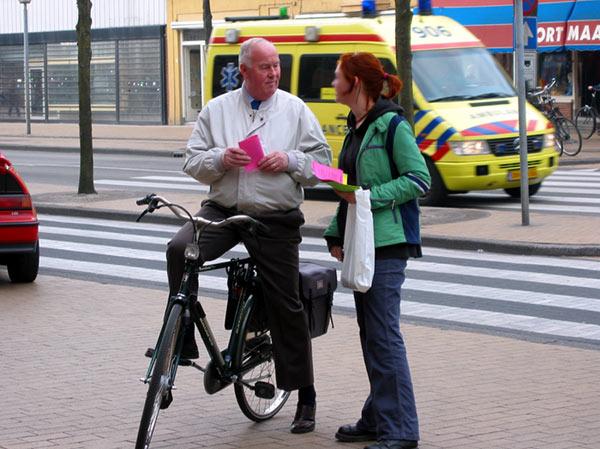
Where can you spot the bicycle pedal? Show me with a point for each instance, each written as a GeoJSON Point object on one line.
{"type": "Point", "coordinates": [264, 390]}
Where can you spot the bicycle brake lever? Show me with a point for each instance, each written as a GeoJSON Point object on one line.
{"type": "Point", "coordinates": [141, 215]}
{"type": "Point", "coordinates": [153, 205]}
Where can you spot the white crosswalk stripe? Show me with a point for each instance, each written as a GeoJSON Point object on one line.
{"type": "Point", "coordinates": [539, 295]}
{"type": "Point", "coordinates": [573, 191]}
{"type": "Point", "coordinates": [153, 185]}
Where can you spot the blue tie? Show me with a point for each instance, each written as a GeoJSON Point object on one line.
{"type": "Point", "coordinates": [255, 104]}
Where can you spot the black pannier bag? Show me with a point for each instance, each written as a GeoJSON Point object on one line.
{"type": "Point", "coordinates": [317, 284]}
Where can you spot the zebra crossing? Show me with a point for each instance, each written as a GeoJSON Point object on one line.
{"type": "Point", "coordinates": [542, 297]}
{"type": "Point", "coordinates": [566, 190]}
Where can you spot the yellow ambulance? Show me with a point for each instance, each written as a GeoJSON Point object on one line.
{"type": "Point", "coordinates": [466, 109]}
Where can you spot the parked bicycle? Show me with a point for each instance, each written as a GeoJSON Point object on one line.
{"type": "Point", "coordinates": [588, 116]}
{"type": "Point", "coordinates": [246, 363]}
{"type": "Point", "coordinates": [568, 137]}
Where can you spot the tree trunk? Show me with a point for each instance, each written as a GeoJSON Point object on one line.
{"type": "Point", "coordinates": [84, 46]}
{"type": "Point", "coordinates": [207, 17]}
{"type": "Point", "coordinates": [404, 56]}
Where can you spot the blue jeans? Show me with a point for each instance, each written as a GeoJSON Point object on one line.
{"type": "Point", "coordinates": [390, 409]}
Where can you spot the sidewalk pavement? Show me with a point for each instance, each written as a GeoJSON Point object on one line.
{"type": "Point", "coordinates": [559, 234]}
{"type": "Point", "coordinates": [73, 361]}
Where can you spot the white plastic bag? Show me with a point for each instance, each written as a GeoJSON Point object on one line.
{"type": "Point", "coordinates": [358, 266]}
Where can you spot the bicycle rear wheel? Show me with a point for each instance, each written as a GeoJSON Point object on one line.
{"type": "Point", "coordinates": [586, 121]}
{"type": "Point", "coordinates": [568, 135]}
{"type": "Point", "coordinates": [257, 396]}
{"type": "Point", "coordinates": [162, 378]}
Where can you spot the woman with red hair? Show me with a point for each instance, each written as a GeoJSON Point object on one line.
{"type": "Point", "coordinates": [380, 154]}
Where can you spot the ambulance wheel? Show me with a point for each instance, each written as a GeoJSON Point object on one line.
{"type": "Point", "coordinates": [515, 192]}
{"type": "Point", "coordinates": [438, 192]}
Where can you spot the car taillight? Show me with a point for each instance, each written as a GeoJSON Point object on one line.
{"type": "Point", "coordinates": [13, 202]}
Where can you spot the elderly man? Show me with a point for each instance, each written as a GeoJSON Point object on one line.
{"type": "Point", "coordinates": [291, 138]}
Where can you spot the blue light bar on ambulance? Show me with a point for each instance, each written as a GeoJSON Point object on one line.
{"type": "Point", "coordinates": [425, 7]}
{"type": "Point", "coordinates": [368, 7]}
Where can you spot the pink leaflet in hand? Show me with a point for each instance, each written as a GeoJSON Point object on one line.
{"type": "Point", "coordinates": [254, 149]}
{"type": "Point", "coordinates": [327, 173]}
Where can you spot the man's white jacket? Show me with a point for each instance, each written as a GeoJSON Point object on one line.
{"type": "Point", "coordinates": [283, 123]}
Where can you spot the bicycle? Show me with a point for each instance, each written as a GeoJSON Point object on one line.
{"type": "Point", "coordinates": [567, 135]}
{"type": "Point", "coordinates": [246, 363]}
{"type": "Point", "coordinates": [587, 116]}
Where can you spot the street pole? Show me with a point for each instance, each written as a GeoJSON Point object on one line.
{"type": "Point", "coordinates": [26, 65]}
{"type": "Point", "coordinates": [520, 72]}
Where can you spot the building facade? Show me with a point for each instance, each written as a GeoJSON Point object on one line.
{"type": "Point", "coordinates": [148, 55]}
{"type": "Point", "coordinates": [127, 67]}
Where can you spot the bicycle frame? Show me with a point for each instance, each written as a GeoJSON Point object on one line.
{"type": "Point", "coordinates": [220, 361]}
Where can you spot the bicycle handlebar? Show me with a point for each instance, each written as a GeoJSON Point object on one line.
{"type": "Point", "coordinates": [155, 201]}
{"type": "Point", "coordinates": [545, 90]}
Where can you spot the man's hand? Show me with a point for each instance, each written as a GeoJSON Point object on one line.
{"type": "Point", "coordinates": [235, 157]}
{"type": "Point", "coordinates": [348, 196]}
{"type": "Point", "coordinates": [274, 162]}
{"type": "Point", "coordinates": [337, 252]}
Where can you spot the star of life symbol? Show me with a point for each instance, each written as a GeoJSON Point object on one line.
{"type": "Point", "coordinates": [229, 80]}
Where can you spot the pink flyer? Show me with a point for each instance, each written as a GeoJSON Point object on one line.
{"type": "Point", "coordinates": [326, 173]}
{"type": "Point", "coordinates": [254, 149]}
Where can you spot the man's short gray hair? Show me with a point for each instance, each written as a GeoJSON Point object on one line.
{"type": "Point", "coordinates": [246, 50]}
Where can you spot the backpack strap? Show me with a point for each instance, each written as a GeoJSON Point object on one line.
{"type": "Point", "coordinates": [389, 143]}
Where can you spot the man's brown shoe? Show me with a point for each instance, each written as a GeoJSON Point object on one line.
{"type": "Point", "coordinates": [304, 420]}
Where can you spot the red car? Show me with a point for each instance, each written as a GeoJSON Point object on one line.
{"type": "Point", "coordinates": [19, 242]}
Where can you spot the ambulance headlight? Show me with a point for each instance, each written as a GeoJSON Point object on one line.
{"type": "Point", "coordinates": [549, 141]}
{"type": "Point", "coordinates": [470, 147]}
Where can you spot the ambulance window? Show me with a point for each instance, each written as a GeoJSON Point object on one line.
{"type": "Point", "coordinates": [227, 77]}
{"type": "Point", "coordinates": [226, 74]}
{"type": "Point", "coordinates": [316, 72]}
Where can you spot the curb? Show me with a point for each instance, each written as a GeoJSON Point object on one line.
{"type": "Point", "coordinates": [508, 247]}
{"type": "Point", "coordinates": [568, 162]}
{"type": "Point", "coordinates": [497, 246]}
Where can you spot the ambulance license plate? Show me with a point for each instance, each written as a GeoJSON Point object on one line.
{"type": "Point", "coordinates": [515, 175]}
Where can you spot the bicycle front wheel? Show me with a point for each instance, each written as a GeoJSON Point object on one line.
{"type": "Point", "coordinates": [586, 121]}
{"type": "Point", "coordinates": [257, 396]}
{"type": "Point", "coordinates": [568, 135]}
{"type": "Point", "coordinates": [162, 378]}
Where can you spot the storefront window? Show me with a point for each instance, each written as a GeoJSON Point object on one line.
{"type": "Point", "coordinates": [556, 65]}
{"type": "Point", "coordinates": [126, 81]}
